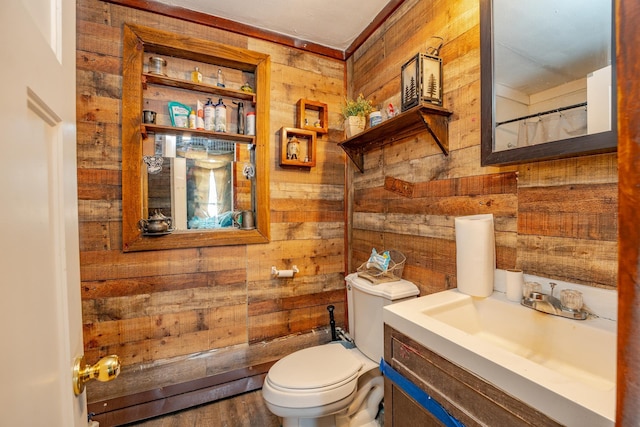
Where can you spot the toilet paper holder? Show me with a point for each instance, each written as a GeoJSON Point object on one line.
{"type": "Point", "coordinates": [275, 273]}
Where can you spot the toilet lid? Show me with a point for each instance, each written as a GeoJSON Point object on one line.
{"type": "Point", "coordinates": [315, 367]}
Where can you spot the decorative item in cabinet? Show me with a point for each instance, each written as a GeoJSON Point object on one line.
{"type": "Point", "coordinates": [313, 115]}
{"type": "Point", "coordinates": [297, 147]}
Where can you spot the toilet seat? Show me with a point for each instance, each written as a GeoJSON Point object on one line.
{"type": "Point", "coordinates": [313, 376]}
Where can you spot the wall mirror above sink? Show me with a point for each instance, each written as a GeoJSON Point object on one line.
{"type": "Point", "coordinates": [187, 185]}
{"type": "Point", "coordinates": [547, 80]}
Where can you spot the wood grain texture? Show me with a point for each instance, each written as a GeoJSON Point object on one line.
{"type": "Point", "coordinates": [628, 70]}
{"type": "Point", "coordinates": [246, 410]}
{"type": "Point", "coordinates": [188, 394]}
{"type": "Point", "coordinates": [469, 398]}
{"type": "Point", "coordinates": [157, 309]}
{"type": "Point", "coordinates": [422, 227]}
{"type": "Point", "coordinates": [555, 219]}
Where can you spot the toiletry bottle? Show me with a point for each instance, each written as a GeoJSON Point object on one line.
{"type": "Point", "coordinates": [221, 117]}
{"type": "Point", "coordinates": [199, 115]}
{"type": "Point", "coordinates": [220, 78]}
{"type": "Point", "coordinates": [251, 123]}
{"type": "Point", "coordinates": [192, 119]}
{"type": "Point", "coordinates": [196, 75]}
{"type": "Point", "coordinates": [209, 115]}
{"type": "Point", "coordinates": [241, 118]}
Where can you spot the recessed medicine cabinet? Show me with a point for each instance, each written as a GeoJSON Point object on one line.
{"type": "Point", "coordinates": [193, 183]}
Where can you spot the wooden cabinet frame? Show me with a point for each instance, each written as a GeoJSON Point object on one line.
{"type": "Point", "coordinates": [323, 115]}
{"type": "Point", "coordinates": [307, 138]}
{"type": "Point", "coordinates": [137, 40]}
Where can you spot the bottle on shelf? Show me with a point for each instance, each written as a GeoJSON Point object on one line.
{"type": "Point", "coordinates": [199, 115]}
{"type": "Point", "coordinates": [220, 117]}
{"type": "Point", "coordinates": [251, 123]}
{"type": "Point", "coordinates": [220, 82]}
{"type": "Point", "coordinates": [196, 75]}
{"type": "Point", "coordinates": [192, 119]}
{"type": "Point", "coordinates": [209, 115]}
{"type": "Point", "coordinates": [241, 118]}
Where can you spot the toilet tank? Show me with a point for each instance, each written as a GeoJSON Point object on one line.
{"type": "Point", "coordinates": [364, 304]}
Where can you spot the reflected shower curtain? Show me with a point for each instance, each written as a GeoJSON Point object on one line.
{"type": "Point", "coordinates": [552, 127]}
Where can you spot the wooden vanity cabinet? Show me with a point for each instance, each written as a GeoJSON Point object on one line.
{"type": "Point", "coordinates": [467, 397]}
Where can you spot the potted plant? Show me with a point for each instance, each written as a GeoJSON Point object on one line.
{"type": "Point", "coordinates": [355, 113]}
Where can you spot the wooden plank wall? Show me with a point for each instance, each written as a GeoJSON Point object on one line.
{"type": "Point", "coordinates": [556, 219]}
{"type": "Point", "coordinates": [158, 310]}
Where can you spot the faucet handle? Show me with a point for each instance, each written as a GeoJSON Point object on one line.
{"type": "Point", "coordinates": [553, 285]}
{"type": "Point", "coordinates": [571, 299]}
{"type": "Point", "coordinates": [530, 287]}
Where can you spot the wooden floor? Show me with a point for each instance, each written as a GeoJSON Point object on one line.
{"type": "Point", "coordinates": [246, 410]}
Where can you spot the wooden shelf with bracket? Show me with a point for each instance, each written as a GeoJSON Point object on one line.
{"type": "Point", "coordinates": [424, 117]}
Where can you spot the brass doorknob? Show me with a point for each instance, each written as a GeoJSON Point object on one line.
{"type": "Point", "coordinates": [106, 369]}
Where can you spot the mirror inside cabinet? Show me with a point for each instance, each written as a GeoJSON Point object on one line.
{"type": "Point", "coordinates": [193, 177]}
{"type": "Point", "coordinates": [204, 184]}
{"type": "Point", "coordinates": [547, 80]}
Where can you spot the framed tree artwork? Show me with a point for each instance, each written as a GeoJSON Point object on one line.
{"type": "Point", "coordinates": [421, 81]}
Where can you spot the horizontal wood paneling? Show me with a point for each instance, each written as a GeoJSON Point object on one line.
{"type": "Point", "coordinates": [155, 307]}
{"type": "Point", "coordinates": [555, 219]}
{"type": "Point", "coordinates": [187, 394]}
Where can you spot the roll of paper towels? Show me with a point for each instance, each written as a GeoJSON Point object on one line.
{"type": "Point", "coordinates": [475, 254]}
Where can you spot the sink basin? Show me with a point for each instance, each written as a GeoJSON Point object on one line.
{"type": "Point", "coordinates": [564, 368]}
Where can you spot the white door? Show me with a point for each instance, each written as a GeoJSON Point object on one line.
{"type": "Point", "coordinates": [40, 314]}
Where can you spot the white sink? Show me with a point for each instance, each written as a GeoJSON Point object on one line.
{"type": "Point", "coordinates": [564, 368]}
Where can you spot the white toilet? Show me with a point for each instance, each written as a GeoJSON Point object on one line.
{"type": "Point", "coordinates": [338, 384]}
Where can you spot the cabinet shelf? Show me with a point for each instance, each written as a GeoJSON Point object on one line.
{"type": "Point", "coordinates": [148, 78]}
{"type": "Point", "coordinates": [147, 128]}
{"type": "Point", "coordinates": [423, 117]}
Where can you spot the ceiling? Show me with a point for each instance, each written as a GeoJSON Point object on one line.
{"type": "Point", "coordinates": [539, 44]}
{"type": "Point", "coordinates": [543, 43]}
{"type": "Point", "coordinates": [335, 24]}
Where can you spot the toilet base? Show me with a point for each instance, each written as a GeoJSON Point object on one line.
{"type": "Point", "coordinates": [319, 416]}
{"type": "Point", "coordinates": [361, 411]}
{"type": "Point", "coordinates": [328, 421]}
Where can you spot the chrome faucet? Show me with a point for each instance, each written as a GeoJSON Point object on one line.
{"type": "Point", "coordinates": [547, 303]}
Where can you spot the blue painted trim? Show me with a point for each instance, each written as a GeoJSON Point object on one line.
{"type": "Point", "coordinates": [419, 395]}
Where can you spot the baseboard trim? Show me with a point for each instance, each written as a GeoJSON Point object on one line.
{"type": "Point", "coordinates": [161, 401]}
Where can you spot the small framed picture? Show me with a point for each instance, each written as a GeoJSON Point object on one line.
{"type": "Point", "coordinates": [421, 80]}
